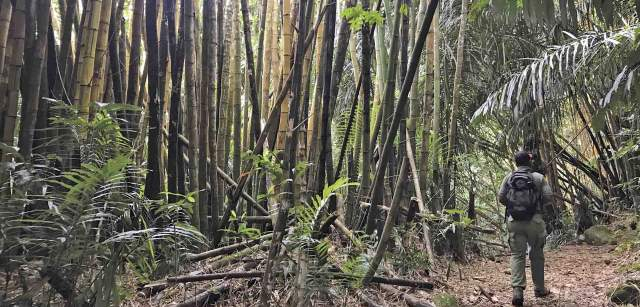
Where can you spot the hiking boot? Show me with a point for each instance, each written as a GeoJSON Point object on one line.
{"type": "Point", "coordinates": [541, 293]}
{"type": "Point", "coordinates": [518, 296]}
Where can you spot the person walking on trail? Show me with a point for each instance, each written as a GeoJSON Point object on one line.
{"type": "Point", "coordinates": [525, 193]}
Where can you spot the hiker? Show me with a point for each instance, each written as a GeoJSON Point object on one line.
{"type": "Point", "coordinates": [524, 193]}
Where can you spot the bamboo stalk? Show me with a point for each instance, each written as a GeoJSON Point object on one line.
{"type": "Point", "coordinates": [251, 73]}
{"type": "Point", "coordinates": [207, 182]}
{"type": "Point", "coordinates": [389, 223]}
{"type": "Point", "coordinates": [365, 132]}
{"type": "Point", "coordinates": [416, 183]}
{"type": "Point", "coordinates": [266, 60]}
{"type": "Point", "coordinates": [287, 44]}
{"type": "Point", "coordinates": [192, 105]}
{"type": "Point", "coordinates": [258, 149]}
{"type": "Point", "coordinates": [84, 79]}
{"type": "Point", "coordinates": [97, 88]}
{"type": "Point", "coordinates": [33, 76]}
{"type": "Point", "coordinates": [14, 72]}
{"type": "Point", "coordinates": [6, 9]}
{"type": "Point", "coordinates": [378, 183]}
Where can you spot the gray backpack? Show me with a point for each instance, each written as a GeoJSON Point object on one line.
{"type": "Point", "coordinates": [522, 196]}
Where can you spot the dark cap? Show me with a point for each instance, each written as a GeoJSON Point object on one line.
{"type": "Point", "coordinates": [523, 158]}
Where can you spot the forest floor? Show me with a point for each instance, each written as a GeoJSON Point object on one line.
{"type": "Point", "coordinates": [577, 275]}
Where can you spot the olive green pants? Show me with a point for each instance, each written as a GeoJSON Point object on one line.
{"type": "Point", "coordinates": [534, 234]}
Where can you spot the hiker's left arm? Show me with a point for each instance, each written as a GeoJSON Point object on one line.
{"type": "Point", "coordinates": [502, 194]}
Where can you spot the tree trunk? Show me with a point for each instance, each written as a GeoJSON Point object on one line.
{"type": "Point", "coordinates": [31, 98]}
{"type": "Point", "coordinates": [328, 47]}
{"type": "Point", "coordinates": [338, 68]}
{"type": "Point", "coordinates": [235, 80]}
{"type": "Point", "coordinates": [389, 223]}
{"type": "Point", "coordinates": [437, 113]}
{"type": "Point", "coordinates": [404, 49]}
{"type": "Point", "coordinates": [192, 107]}
{"type": "Point", "coordinates": [315, 113]}
{"type": "Point", "coordinates": [378, 183]}
{"type": "Point", "coordinates": [366, 119]}
{"type": "Point", "coordinates": [427, 105]}
{"type": "Point", "coordinates": [387, 99]}
{"type": "Point", "coordinates": [133, 83]}
{"type": "Point", "coordinates": [452, 139]}
{"type": "Point", "coordinates": [84, 78]}
{"type": "Point", "coordinates": [66, 55]}
{"type": "Point", "coordinates": [176, 49]}
{"type": "Point", "coordinates": [426, 231]}
{"type": "Point", "coordinates": [223, 104]}
{"type": "Point", "coordinates": [265, 11]}
{"type": "Point", "coordinates": [266, 59]}
{"type": "Point", "coordinates": [6, 9]}
{"type": "Point", "coordinates": [251, 75]}
{"type": "Point", "coordinates": [14, 72]}
{"type": "Point", "coordinates": [115, 55]}
{"type": "Point", "coordinates": [357, 75]}
{"type": "Point", "coordinates": [290, 151]}
{"type": "Point", "coordinates": [152, 181]}
{"type": "Point", "coordinates": [206, 102]}
{"type": "Point", "coordinates": [208, 94]}
{"type": "Point", "coordinates": [287, 37]}
{"type": "Point", "coordinates": [219, 84]}
{"type": "Point", "coordinates": [97, 88]}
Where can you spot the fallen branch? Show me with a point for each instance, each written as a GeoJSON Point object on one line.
{"type": "Point", "coordinates": [595, 210]}
{"type": "Point", "coordinates": [345, 231]}
{"type": "Point", "coordinates": [367, 300]}
{"type": "Point", "coordinates": [424, 285]}
{"type": "Point", "coordinates": [491, 243]}
{"type": "Point", "coordinates": [154, 287]}
{"type": "Point", "coordinates": [214, 276]}
{"type": "Point", "coordinates": [150, 289]}
{"type": "Point", "coordinates": [255, 274]}
{"type": "Point", "coordinates": [229, 259]}
{"type": "Point", "coordinates": [408, 298]}
{"type": "Point", "coordinates": [488, 295]}
{"type": "Point", "coordinates": [497, 225]}
{"type": "Point", "coordinates": [225, 250]}
{"type": "Point", "coordinates": [205, 298]}
{"type": "Point", "coordinates": [244, 194]}
{"type": "Point", "coordinates": [480, 229]}
{"type": "Point", "coordinates": [325, 228]}
{"type": "Point", "coordinates": [232, 183]}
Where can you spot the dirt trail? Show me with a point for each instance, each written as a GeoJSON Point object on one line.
{"type": "Point", "coordinates": [578, 275]}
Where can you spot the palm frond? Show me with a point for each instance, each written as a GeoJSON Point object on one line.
{"type": "Point", "coordinates": [563, 67]}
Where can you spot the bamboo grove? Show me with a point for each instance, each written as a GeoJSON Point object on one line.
{"type": "Point", "coordinates": [230, 116]}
